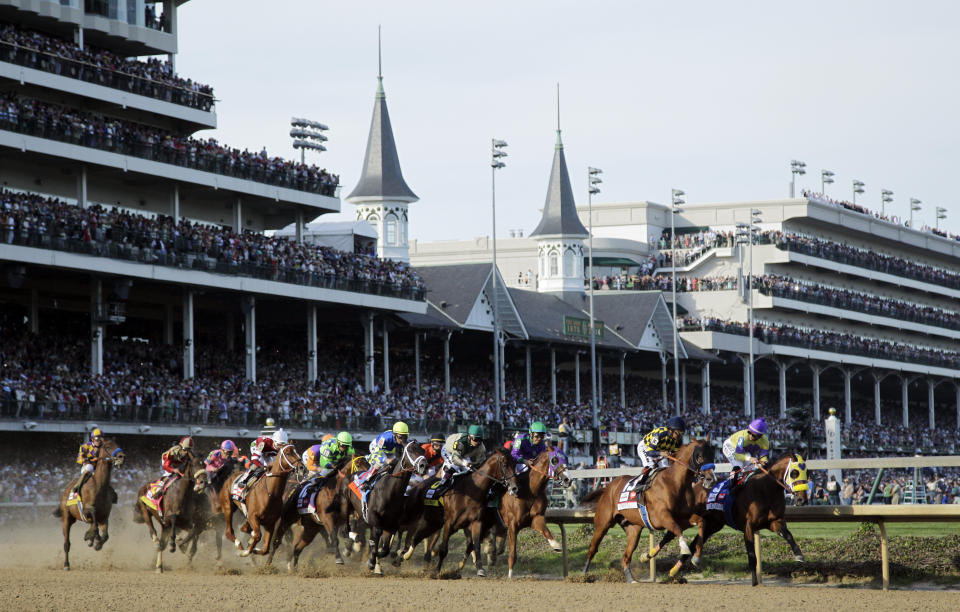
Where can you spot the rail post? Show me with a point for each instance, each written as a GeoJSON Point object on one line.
{"type": "Point", "coordinates": [884, 555]}
{"type": "Point", "coordinates": [756, 552]}
{"type": "Point", "coordinates": [563, 544]}
{"type": "Point", "coordinates": [653, 560]}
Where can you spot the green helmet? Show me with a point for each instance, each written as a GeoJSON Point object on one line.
{"type": "Point", "coordinates": [475, 430]}
{"type": "Point", "coordinates": [538, 427]}
{"type": "Point", "coordinates": [400, 429]}
{"type": "Point", "coordinates": [345, 438]}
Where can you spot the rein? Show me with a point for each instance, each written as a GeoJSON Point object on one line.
{"type": "Point", "coordinates": [413, 462]}
{"type": "Point", "coordinates": [776, 480]}
{"type": "Point", "coordinates": [503, 480]}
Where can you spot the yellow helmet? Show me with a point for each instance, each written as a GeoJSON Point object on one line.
{"type": "Point", "coordinates": [95, 433]}
{"type": "Point", "coordinates": [400, 429]}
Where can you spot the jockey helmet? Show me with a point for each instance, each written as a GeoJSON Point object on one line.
{"type": "Point", "coordinates": [538, 427]}
{"type": "Point", "coordinates": [270, 423]}
{"type": "Point", "coordinates": [345, 438]}
{"type": "Point", "coordinates": [280, 436]}
{"type": "Point", "coordinates": [475, 430]}
{"type": "Point", "coordinates": [228, 446]}
{"type": "Point", "coordinates": [400, 429]}
{"type": "Point", "coordinates": [437, 437]}
{"type": "Point", "coordinates": [677, 423]}
{"type": "Point", "coordinates": [96, 434]}
{"type": "Point", "coordinates": [186, 442]}
{"type": "Point", "coordinates": [758, 426]}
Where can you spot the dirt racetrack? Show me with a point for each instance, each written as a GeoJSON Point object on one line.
{"type": "Point", "coordinates": [121, 578]}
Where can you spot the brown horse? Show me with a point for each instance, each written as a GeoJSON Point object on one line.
{"type": "Point", "coordinates": [93, 506]}
{"type": "Point", "coordinates": [462, 506]}
{"type": "Point", "coordinates": [758, 503]}
{"type": "Point", "coordinates": [669, 504]}
{"type": "Point", "coordinates": [264, 501]}
{"type": "Point", "coordinates": [328, 518]}
{"type": "Point", "coordinates": [183, 507]}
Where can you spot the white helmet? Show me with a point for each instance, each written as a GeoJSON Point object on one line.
{"type": "Point", "coordinates": [280, 436]}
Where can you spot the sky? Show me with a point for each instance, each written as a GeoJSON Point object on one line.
{"type": "Point", "coordinates": [714, 98]}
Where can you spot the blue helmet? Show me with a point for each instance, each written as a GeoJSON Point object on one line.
{"type": "Point", "coordinates": [677, 423]}
{"type": "Point", "coordinates": [758, 426]}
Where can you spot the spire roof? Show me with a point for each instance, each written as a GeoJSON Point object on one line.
{"type": "Point", "coordinates": [560, 210]}
{"type": "Point", "coordinates": [381, 177]}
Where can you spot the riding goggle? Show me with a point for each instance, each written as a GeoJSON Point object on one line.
{"type": "Point", "coordinates": [473, 438]}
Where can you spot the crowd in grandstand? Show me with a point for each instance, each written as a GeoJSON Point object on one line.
{"type": "Point", "coordinates": [36, 118]}
{"type": "Point", "coordinates": [36, 220]}
{"type": "Point", "coordinates": [152, 77]}
{"type": "Point", "coordinates": [822, 198]}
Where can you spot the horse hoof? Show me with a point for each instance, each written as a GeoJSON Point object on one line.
{"type": "Point", "coordinates": [66, 568]}
{"type": "Point", "coordinates": [509, 573]}
{"type": "Point", "coordinates": [378, 571]}
{"type": "Point", "coordinates": [556, 546]}
{"type": "Point", "coordinates": [397, 562]}
{"type": "Point", "coordinates": [244, 553]}
{"type": "Point", "coordinates": [695, 562]}
{"type": "Point", "coordinates": [155, 539]}
{"type": "Point", "coordinates": [799, 559]}
{"type": "Point", "coordinates": [644, 558]}
{"type": "Point", "coordinates": [236, 543]}
{"type": "Point", "coordinates": [159, 570]}
{"type": "Point", "coordinates": [339, 561]}
{"type": "Point", "coordinates": [481, 573]}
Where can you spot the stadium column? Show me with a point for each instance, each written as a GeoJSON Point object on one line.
{"type": "Point", "coordinates": [746, 384]}
{"type": "Point", "coordinates": [663, 377]}
{"type": "Point", "coordinates": [930, 385]}
{"type": "Point", "coordinates": [175, 203]}
{"type": "Point", "coordinates": [529, 369]}
{"type": "Point", "coordinates": [238, 216]}
{"type": "Point", "coordinates": [905, 399]}
{"type": "Point", "coordinates": [170, 12]}
{"type": "Point", "coordinates": [816, 390]}
{"type": "Point", "coordinates": [386, 358]}
{"type": "Point", "coordinates": [553, 376]}
{"type": "Point", "coordinates": [96, 327]}
{"type": "Point", "coordinates": [82, 187]}
{"type": "Point", "coordinates": [446, 363]}
{"type": "Point", "coordinates": [311, 343]}
{"type": "Point", "coordinates": [188, 362]}
{"type": "Point", "coordinates": [956, 389]}
{"type": "Point", "coordinates": [367, 323]}
{"type": "Point", "coordinates": [576, 376]}
{"type": "Point", "coordinates": [250, 333]}
{"type": "Point", "coordinates": [847, 408]}
{"type": "Point", "coordinates": [782, 366]}
{"type": "Point", "coordinates": [299, 226]}
{"type": "Point", "coordinates": [600, 379]}
{"type": "Point", "coordinates": [876, 397]}
{"type": "Point", "coordinates": [416, 358]}
{"type": "Point", "coordinates": [705, 381]}
{"type": "Point", "coordinates": [683, 387]}
{"type": "Point", "coordinates": [34, 311]}
{"type": "Point", "coordinates": [168, 324]}
{"type": "Point", "coordinates": [623, 381]}
{"type": "Point", "coordinates": [230, 332]}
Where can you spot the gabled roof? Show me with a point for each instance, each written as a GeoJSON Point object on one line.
{"type": "Point", "coordinates": [560, 210]}
{"type": "Point", "coordinates": [633, 313]}
{"type": "Point", "coordinates": [542, 315]}
{"type": "Point", "coordinates": [453, 290]}
{"type": "Point", "coordinates": [381, 178]}
{"type": "Point", "coordinates": [432, 319]}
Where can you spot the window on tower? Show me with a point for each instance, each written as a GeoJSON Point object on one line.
{"type": "Point", "coordinates": [554, 264]}
{"type": "Point", "coordinates": [390, 229]}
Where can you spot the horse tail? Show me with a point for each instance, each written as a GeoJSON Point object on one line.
{"type": "Point", "coordinates": [593, 496]}
{"type": "Point", "coordinates": [137, 515]}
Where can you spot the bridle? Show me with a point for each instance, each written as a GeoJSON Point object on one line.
{"type": "Point", "coordinates": [417, 464]}
{"type": "Point", "coordinates": [702, 472]}
{"type": "Point", "coordinates": [505, 481]}
{"type": "Point", "coordinates": [282, 459]}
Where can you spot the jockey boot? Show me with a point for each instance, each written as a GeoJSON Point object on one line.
{"type": "Point", "coordinates": [83, 479]}
{"type": "Point", "coordinates": [255, 474]}
{"type": "Point", "coordinates": [644, 473]}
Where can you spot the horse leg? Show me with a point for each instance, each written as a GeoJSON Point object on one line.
{"type": "Point", "coordinates": [674, 531]}
{"type": "Point", "coordinates": [751, 555]}
{"type": "Point", "coordinates": [267, 533]}
{"type": "Point", "coordinates": [173, 533]}
{"type": "Point", "coordinates": [103, 534]}
{"type": "Point", "coordinates": [384, 543]}
{"type": "Point", "coordinates": [602, 522]}
{"type": "Point", "coordinates": [779, 526]}
{"type": "Point", "coordinates": [633, 536]}
{"type": "Point", "coordinates": [307, 535]}
{"type": "Point", "coordinates": [476, 535]}
{"type": "Point", "coordinates": [228, 526]}
{"type": "Point", "coordinates": [653, 552]}
{"type": "Point", "coordinates": [254, 524]}
{"type": "Point", "coordinates": [467, 551]}
{"type": "Point", "coordinates": [707, 529]}
{"type": "Point", "coordinates": [512, 545]}
{"type": "Point", "coordinates": [431, 545]}
{"type": "Point", "coordinates": [90, 536]}
{"type": "Point", "coordinates": [374, 543]}
{"type": "Point", "coordinates": [218, 536]}
{"type": "Point", "coordinates": [539, 523]}
{"type": "Point", "coordinates": [161, 544]}
{"type": "Point", "coordinates": [66, 523]}
{"type": "Point", "coordinates": [444, 547]}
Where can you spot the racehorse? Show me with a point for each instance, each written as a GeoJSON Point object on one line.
{"type": "Point", "coordinates": [183, 507]}
{"type": "Point", "coordinates": [328, 517]}
{"type": "Point", "coordinates": [264, 500]}
{"type": "Point", "coordinates": [384, 501]}
{"type": "Point", "coordinates": [94, 503]}
{"type": "Point", "coordinates": [757, 504]}
{"type": "Point", "coordinates": [528, 507]}
{"type": "Point", "coordinates": [668, 503]}
{"type": "Point", "coordinates": [215, 483]}
{"type": "Point", "coordinates": [462, 506]}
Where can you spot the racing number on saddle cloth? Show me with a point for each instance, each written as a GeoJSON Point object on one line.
{"type": "Point", "coordinates": [721, 498]}
{"type": "Point", "coordinates": [630, 500]}
{"type": "Point", "coordinates": [434, 495]}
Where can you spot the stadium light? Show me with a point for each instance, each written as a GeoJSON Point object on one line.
{"type": "Point", "coordinates": [796, 168]}
{"type": "Point", "coordinates": [941, 214]}
{"type": "Point", "coordinates": [857, 188]}
{"type": "Point", "coordinates": [914, 206]}
{"type": "Point", "coordinates": [307, 135]}
{"type": "Point", "coordinates": [826, 178]}
{"type": "Point", "coordinates": [497, 154]}
{"type": "Point", "coordinates": [755, 218]}
{"type": "Point", "coordinates": [676, 201]}
{"type": "Point", "coordinates": [886, 196]}
{"type": "Point", "coordinates": [593, 179]}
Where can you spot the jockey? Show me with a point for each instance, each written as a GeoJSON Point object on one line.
{"type": "Point", "coordinates": [384, 450]}
{"type": "Point", "coordinates": [432, 451]}
{"type": "Point", "coordinates": [749, 446]}
{"type": "Point", "coordinates": [262, 452]}
{"type": "Point", "coordinates": [175, 460]}
{"type": "Point", "coordinates": [660, 440]}
{"type": "Point", "coordinates": [322, 459]}
{"type": "Point", "coordinates": [461, 451]}
{"type": "Point", "coordinates": [87, 457]}
{"type": "Point", "coordinates": [526, 447]}
{"type": "Point", "coordinates": [220, 456]}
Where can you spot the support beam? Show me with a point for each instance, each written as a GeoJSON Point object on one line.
{"type": "Point", "coordinates": [300, 226]}
{"type": "Point", "coordinates": [238, 216]}
{"type": "Point", "coordinates": [386, 358]}
{"type": "Point", "coordinates": [956, 390]}
{"type": "Point", "coordinates": [816, 390]}
{"type": "Point", "coordinates": [231, 333]}
{"type": "Point", "coordinates": [175, 203]}
{"type": "Point", "coordinates": [876, 399]}
{"type": "Point", "coordinates": [782, 369]}
{"type": "Point", "coordinates": [168, 322]}
{"type": "Point", "coordinates": [847, 402]}
{"type": "Point", "coordinates": [623, 381]}
{"type": "Point", "coordinates": [250, 334]}
{"type": "Point", "coordinates": [905, 399]}
{"type": "Point", "coordinates": [576, 377]}
{"type": "Point", "coordinates": [600, 380]}
{"type": "Point", "coordinates": [82, 187]}
{"type": "Point", "coordinates": [311, 343]}
{"type": "Point", "coordinates": [683, 386]}
{"type": "Point", "coordinates": [746, 384]}
{"type": "Point", "coordinates": [530, 374]}
{"type": "Point", "coordinates": [34, 311]}
{"type": "Point", "coordinates": [416, 359]}
{"type": "Point", "coordinates": [368, 371]}
{"type": "Point", "coordinates": [663, 379]}
{"type": "Point", "coordinates": [503, 369]}
{"type": "Point", "coordinates": [553, 376]}
{"type": "Point", "coordinates": [188, 349]}
{"type": "Point", "coordinates": [705, 391]}
{"type": "Point", "coordinates": [97, 328]}
{"type": "Point", "coordinates": [446, 363]}
{"type": "Point", "coordinates": [931, 383]}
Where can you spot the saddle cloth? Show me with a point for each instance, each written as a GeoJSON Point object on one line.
{"type": "Point", "coordinates": [305, 497]}
{"type": "Point", "coordinates": [721, 497]}
{"type": "Point", "coordinates": [237, 491]}
{"type": "Point", "coordinates": [434, 493]}
{"type": "Point", "coordinates": [629, 499]}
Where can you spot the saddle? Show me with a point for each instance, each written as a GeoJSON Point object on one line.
{"type": "Point", "coordinates": [155, 492]}
{"type": "Point", "coordinates": [433, 496]}
{"type": "Point", "coordinates": [642, 482]}
{"type": "Point", "coordinates": [721, 497]}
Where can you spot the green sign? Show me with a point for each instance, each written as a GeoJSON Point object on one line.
{"type": "Point", "coordinates": [573, 326]}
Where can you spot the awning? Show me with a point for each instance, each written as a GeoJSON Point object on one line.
{"type": "Point", "coordinates": [611, 261]}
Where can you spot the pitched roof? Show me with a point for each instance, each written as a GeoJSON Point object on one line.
{"type": "Point", "coordinates": [454, 289]}
{"type": "Point", "coordinates": [542, 315]}
{"type": "Point", "coordinates": [629, 311]}
{"type": "Point", "coordinates": [381, 177]}
{"type": "Point", "coordinates": [560, 210]}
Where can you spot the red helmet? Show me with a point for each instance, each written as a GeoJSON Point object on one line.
{"type": "Point", "coordinates": [186, 443]}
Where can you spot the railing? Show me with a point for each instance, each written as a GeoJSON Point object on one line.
{"type": "Point", "coordinates": [98, 75]}
{"type": "Point", "coordinates": [194, 260]}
